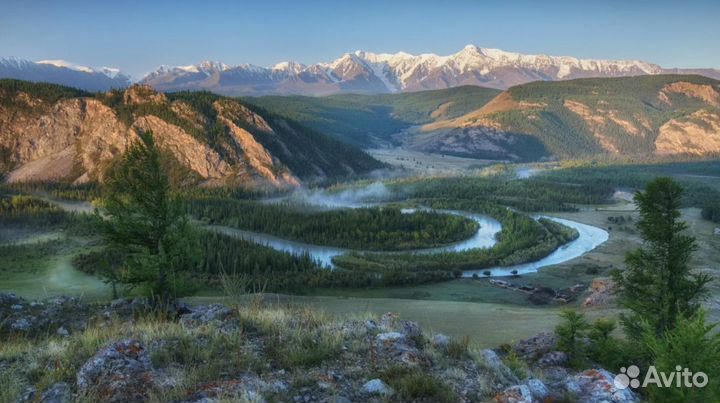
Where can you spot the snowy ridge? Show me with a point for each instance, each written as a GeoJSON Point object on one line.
{"type": "Point", "coordinates": [65, 73]}
{"type": "Point", "coordinates": [362, 71]}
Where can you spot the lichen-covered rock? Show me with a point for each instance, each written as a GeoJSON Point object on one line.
{"type": "Point", "coordinates": [247, 388]}
{"type": "Point", "coordinates": [57, 393]}
{"type": "Point", "coordinates": [597, 386]}
{"type": "Point", "coordinates": [32, 318]}
{"type": "Point", "coordinates": [203, 315]}
{"type": "Point", "coordinates": [553, 359]}
{"type": "Point", "coordinates": [394, 347]}
{"type": "Point", "coordinates": [119, 373]}
{"type": "Point", "coordinates": [515, 394]}
{"type": "Point", "coordinates": [535, 347]}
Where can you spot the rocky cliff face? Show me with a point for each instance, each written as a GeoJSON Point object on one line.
{"type": "Point", "coordinates": [213, 138]}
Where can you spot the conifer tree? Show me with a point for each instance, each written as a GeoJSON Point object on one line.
{"type": "Point", "coordinates": [657, 286]}
{"type": "Point", "coordinates": [142, 218]}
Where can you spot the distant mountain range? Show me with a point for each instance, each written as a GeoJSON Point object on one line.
{"type": "Point", "coordinates": [64, 73]}
{"type": "Point", "coordinates": [371, 73]}
{"type": "Point", "coordinates": [358, 72]}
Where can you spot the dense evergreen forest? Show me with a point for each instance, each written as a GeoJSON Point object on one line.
{"type": "Point", "coordinates": [521, 240]}
{"type": "Point", "coordinates": [696, 193]}
{"type": "Point", "coordinates": [381, 229]}
{"type": "Point", "coordinates": [534, 194]}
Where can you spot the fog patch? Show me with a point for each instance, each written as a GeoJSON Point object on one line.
{"type": "Point", "coordinates": [375, 192]}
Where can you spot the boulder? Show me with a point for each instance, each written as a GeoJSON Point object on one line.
{"type": "Point", "coordinates": [502, 373]}
{"type": "Point", "coordinates": [377, 387]}
{"type": "Point", "coordinates": [537, 388]}
{"type": "Point", "coordinates": [515, 394]}
{"type": "Point", "coordinates": [203, 315]}
{"type": "Point", "coordinates": [411, 330]}
{"type": "Point", "coordinates": [247, 388]}
{"type": "Point", "coordinates": [394, 347]}
{"type": "Point", "coordinates": [57, 393]}
{"type": "Point", "coordinates": [597, 386]}
{"type": "Point", "coordinates": [119, 373]}
{"type": "Point", "coordinates": [553, 359]}
{"type": "Point", "coordinates": [533, 348]}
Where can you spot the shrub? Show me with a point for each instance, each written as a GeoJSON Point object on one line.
{"type": "Point", "coordinates": [570, 336]}
{"type": "Point", "coordinates": [458, 348]}
{"type": "Point", "coordinates": [417, 386]}
{"type": "Point", "coordinates": [691, 344]}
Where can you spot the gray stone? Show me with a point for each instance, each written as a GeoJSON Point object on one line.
{"type": "Point", "coordinates": [537, 388]}
{"type": "Point", "coordinates": [121, 372]}
{"type": "Point", "coordinates": [503, 374]}
{"type": "Point", "coordinates": [553, 358]}
{"type": "Point", "coordinates": [597, 386]}
{"type": "Point", "coordinates": [21, 324]}
{"type": "Point", "coordinates": [63, 332]}
{"type": "Point", "coordinates": [205, 314]}
{"type": "Point", "coordinates": [390, 337]}
{"type": "Point", "coordinates": [377, 387]}
{"type": "Point", "coordinates": [515, 394]}
{"type": "Point", "coordinates": [58, 393]}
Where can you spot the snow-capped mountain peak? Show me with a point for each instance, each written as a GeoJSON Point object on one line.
{"type": "Point", "coordinates": [65, 73]}
{"type": "Point", "coordinates": [368, 72]}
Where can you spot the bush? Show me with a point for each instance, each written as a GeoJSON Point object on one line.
{"type": "Point", "coordinates": [570, 336]}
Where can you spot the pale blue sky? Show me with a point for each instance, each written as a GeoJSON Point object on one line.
{"type": "Point", "coordinates": [137, 36]}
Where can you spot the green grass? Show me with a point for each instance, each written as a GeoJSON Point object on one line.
{"type": "Point", "coordinates": [415, 386]}
{"type": "Point", "coordinates": [39, 270]}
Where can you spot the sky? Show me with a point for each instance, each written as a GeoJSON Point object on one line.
{"type": "Point", "coordinates": [138, 36]}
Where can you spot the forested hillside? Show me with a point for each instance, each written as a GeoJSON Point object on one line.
{"type": "Point", "coordinates": [368, 120]}
{"type": "Point", "coordinates": [645, 115]}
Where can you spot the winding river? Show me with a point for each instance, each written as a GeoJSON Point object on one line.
{"type": "Point", "coordinates": [589, 238]}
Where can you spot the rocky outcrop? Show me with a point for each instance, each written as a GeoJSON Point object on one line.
{"type": "Point", "coordinates": [697, 134]}
{"type": "Point", "coordinates": [601, 292]}
{"type": "Point", "coordinates": [374, 359]}
{"type": "Point", "coordinates": [119, 373]}
{"type": "Point", "coordinates": [597, 386]}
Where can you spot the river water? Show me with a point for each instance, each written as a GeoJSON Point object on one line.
{"type": "Point", "coordinates": [589, 237]}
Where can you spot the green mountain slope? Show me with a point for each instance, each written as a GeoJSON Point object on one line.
{"type": "Point", "coordinates": [368, 120]}
{"type": "Point", "coordinates": [644, 115]}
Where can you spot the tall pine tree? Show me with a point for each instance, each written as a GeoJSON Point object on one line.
{"type": "Point", "coordinates": [657, 286]}
{"type": "Point", "coordinates": [142, 218]}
